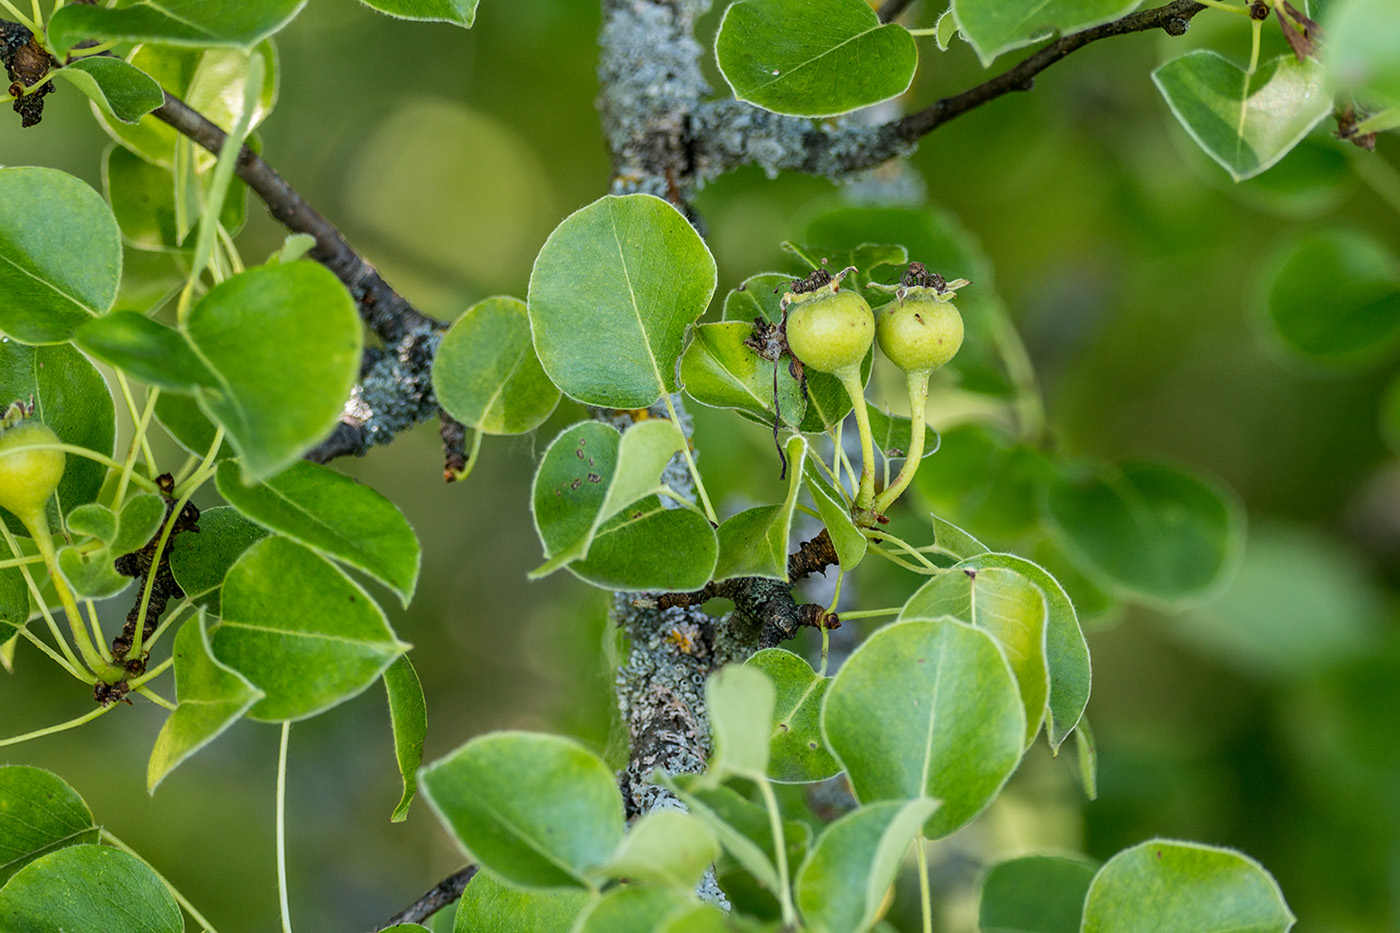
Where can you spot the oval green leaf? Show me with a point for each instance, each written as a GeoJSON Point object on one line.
{"type": "Point", "coordinates": [150, 351]}
{"type": "Point", "coordinates": [632, 909]}
{"type": "Point", "coordinates": [538, 810]}
{"type": "Point", "coordinates": [1147, 529]}
{"type": "Point", "coordinates": [88, 889]}
{"type": "Point", "coordinates": [667, 847]}
{"type": "Point", "coordinates": [835, 511]}
{"type": "Point", "coordinates": [1330, 300]}
{"type": "Point", "coordinates": [72, 398]}
{"type": "Point", "coordinates": [797, 751]}
{"type": "Point", "coordinates": [841, 887]}
{"type": "Point", "coordinates": [1244, 122]}
{"type": "Point", "coordinates": [186, 422]}
{"type": "Point", "coordinates": [460, 12]}
{"type": "Point", "coordinates": [623, 555]}
{"type": "Point", "coordinates": [611, 295]}
{"type": "Point", "coordinates": [754, 543]}
{"type": "Point", "coordinates": [211, 697]}
{"type": "Point", "coordinates": [1066, 651]}
{"type": "Point", "coordinates": [408, 716]}
{"type": "Point", "coordinates": [813, 58]}
{"type": "Point", "coordinates": [1008, 606]}
{"type": "Point", "coordinates": [40, 814]}
{"type": "Point", "coordinates": [118, 88]}
{"type": "Point", "coordinates": [333, 513]}
{"type": "Point", "coordinates": [174, 22]}
{"type": "Point", "coordinates": [997, 26]}
{"type": "Point", "coordinates": [486, 373]}
{"type": "Point", "coordinates": [927, 709]}
{"type": "Point", "coordinates": [488, 905]}
{"type": "Point", "coordinates": [300, 630]}
{"type": "Point", "coordinates": [1035, 894]}
{"type": "Point", "coordinates": [720, 370]}
{"type": "Point", "coordinates": [1164, 886]}
{"type": "Point", "coordinates": [740, 701]}
{"type": "Point", "coordinates": [200, 562]}
{"type": "Point", "coordinates": [284, 342]}
{"type": "Point", "coordinates": [60, 254]}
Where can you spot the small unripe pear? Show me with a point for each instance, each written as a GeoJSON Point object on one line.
{"type": "Point", "coordinates": [28, 476]}
{"type": "Point", "coordinates": [830, 331]}
{"type": "Point", "coordinates": [920, 333]}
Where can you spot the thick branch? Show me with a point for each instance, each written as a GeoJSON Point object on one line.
{"type": "Point", "coordinates": [442, 894]}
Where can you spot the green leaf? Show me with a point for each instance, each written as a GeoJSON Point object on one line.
{"type": "Point", "coordinates": [338, 516]}
{"type": "Point", "coordinates": [985, 480]}
{"type": "Point", "coordinates": [754, 543]}
{"type": "Point", "coordinates": [119, 89]}
{"type": "Point", "coordinates": [200, 562]}
{"type": "Point", "coordinates": [1244, 122]}
{"type": "Point", "coordinates": [1147, 529]}
{"type": "Point", "coordinates": [742, 827]}
{"type": "Point", "coordinates": [1359, 54]}
{"type": "Point", "coordinates": [60, 254]}
{"type": "Point", "coordinates": [846, 538]}
{"type": "Point", "coordinates": [210, 80]}
{"type": "Point", "coordinates": [40, 814]}
{"type": "Point", "coordinates": [954, 541]}
{"type": "Point", "coordinates": [1035, 894]}
{"type": "Point", "coordinates": [667, 847]}
{"type": "Point", "coordinates": [300, 630]}
{"type": "Point", "coordinates": [285, 343]}
{"type": "Point", "coordinates": [1300, 604]}
{"type": "Point", "coordinates": [1175, 887]}
{"type": "Point", "coordinates": [14, 601]}
{"type": "Point", "coordinates": [490, 906]}
{"type": "Point", "coordinates": [88, 889]}
{"type": "Point", "coordinates": [146, 349]}
{"type": "Point", "coordinates": [461, 12]}
{"type": "Point", "coordinates": [994, 27]}
{"type": "Point", "coordinates": [623, 555]}
{"type": "Point", "coordinates": [927, 709]}
{"type": "Point", "coordinates": [211, 697]}
{"type": "Point", "coordinates": [611, 295]}
{"type": "Point", "coordinates": [143, 198]}
{"type": "Point", "coordinates": [891, 434]}
{"type": "Point", "coordinates": [1066, 651]}
{"type": "Point", "coordinates": [707, 918]}
{"type": "Point", "coordinates": [946, 29]}
{"type": "Point", "coordinates": [866, 257]}
{"type": "Point", "coordinates": [740, 700]}
{"type": "Point", "coordinates": [632, 909]}
{"type": "Point", "coordinates": [720, 370]}
{"type": "Point", "coordinates": [1330, 301]}
{"type": "Point", "coordinates": [182, 417]}
{"type": "Point", "coordinates": [174, 22]}
{"type": "Point", "coordinates": [1086, 755]}
{"type": "Point", "coordinates": [797, 750]}
{"type": "Point", "coordinates": [538, 810]}
{"type": "Point", "coordinates": [813, 58]}
{"type": "Point", "coordinates": [408, 715]}
{"type": "Point", "coordinates": [486, 373]}
{"type": "Point", "coordinates": [72, 398]}
{"type": "Point", "coordinates": [841, 887]}
{"type": "Point", "coordinates": [91, 575]}
{"type": "Point", "coordinates": [1011, 608]}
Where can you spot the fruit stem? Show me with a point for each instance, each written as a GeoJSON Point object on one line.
{"type": "Point", "coordinates": [850, 378]}
{"type": "Point", "coordinates": [38, 527]}
{"type": "Point", "coordinates": [918, 398]}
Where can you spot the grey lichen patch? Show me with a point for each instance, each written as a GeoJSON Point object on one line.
{"type": "Point", "coordinates": [730, 133]}
{"type": "Point", "coordinates": [396, 388]}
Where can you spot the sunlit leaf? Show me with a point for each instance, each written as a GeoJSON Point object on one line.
{"type": "Point", "coordinates": [538, 810]}
{"type": "Point", "coordinates": [408, 715]}
{"type": "Point", "coordinates": [150, 351]}
{"type": "Point", "coordinates": [796, 748]}
{"type": "Point", "coordinates": [754, 543]}
{"type": "Point", "coordinates": [994, 27]}
{"type": "Point", "coordinates": [488, 904]}
{"type": "Point", "coordinates": [1184, 887]}
{"type": "Point", "coordinates": [611, 295]}
{"type": "Point", "coordinates": [460, 12]}
{"type": "Point", "coordinates": [486, 373]}
{"type": "Point", "coordinates": [665, 847]}
{"type": "Point", "coordinates": [721, 371]}
{"type": "Point", "coordinates": [88, 889]}
{"type": "Point", "coordinates": [173, 22]}
{"type": "Point", "coordinates": [118, 88]}
{"type": "Point", "coordinates": [1244, 122]}
{"type": "Point", "coordinates": [40, 814]}
{"type": "Point", "coordinates": [623, 555]}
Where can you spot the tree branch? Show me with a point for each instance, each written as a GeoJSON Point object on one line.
{"type": "Point", "coordinates": [442, 894]}
{"type": "Point", "coordinates": [890, 9]}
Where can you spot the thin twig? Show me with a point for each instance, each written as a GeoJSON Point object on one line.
{"type": "Point", "coordinates": [442, 894]}
{"type": "Point", "coordinates": [890, 9]}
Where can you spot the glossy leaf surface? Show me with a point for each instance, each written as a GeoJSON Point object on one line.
{"type": "Point", "coordinates": [211, 697]}
{"type": "Point", "coordinates": [333, 513]}
{"type": "Point", "coordinates": [623, 555]}
{"type": "Point", "coordinates": [1184, 887]}
{"type": "Point", "coordinates": [1244, 122]}
{"type": "Point", "coordinates": [284, 342]}
{"type": "Point", "coordinates": [846, 538]}
{"type": "Point", "coordinates": [1147, 528]}
{"type": "Point", "coordinates": [88, 889]}
{"type": "Point", "coordinates": [40, 814]}
{"type": "Point", "coordinates": [611, 295]}
{"type": "Point", "coordinates": [174, 22]}
{"type": "Point", "coordinates": [460, 12]}
{"type": "Point", "coordinates": [720, 370]}
{"type": "Point", "coordinates": [1035, 894]}
{"type": "Point", "coordinates": [813, 58]}
{"type": "Point", "coordinates": [797, 750]}
{"type": "Point", "coordinates": [300, 630]}
{"type": "Point", "coordinates": [486, 373]}
{"type": "Point", "coordinates": [200, 562]}
{"type": "Point", "coordinates": [120, 89]}
{"type": "Point", "coordinates": [50, 287]}
{"type": "Point", "coordinates": [997, 26]}
{"type": "Point", "coordinates": [841, 887]}
{"type": "Point", "coordinates": [408, 715]}
{"type": "Point", "coordinates": [538, 810]}
{"type": "Point", "coordinates": [150, 351]}
{"type": "Point", "coordinates": [667, 847]}
{"type": "Point", "coordinates": [489, 905]}
{"type": "Point", "coordinates": [754, 543]}
{"type": "Point", "coordinates": [927, 709]}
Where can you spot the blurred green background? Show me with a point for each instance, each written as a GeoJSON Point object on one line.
{"type": "Point", "coordinates": [1268, 720]}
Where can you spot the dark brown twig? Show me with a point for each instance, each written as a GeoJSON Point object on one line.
{"type": "Point", "coordinates": [454, 446]}
{"type": "Point", "coordinates": [890, 9]}
{"type": "Point", "coordinates": [445, 892]}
